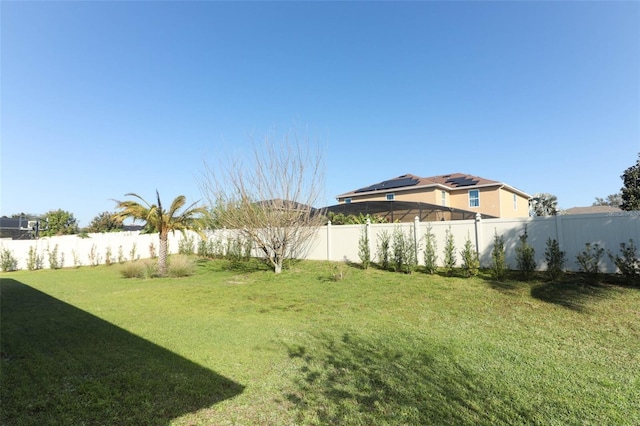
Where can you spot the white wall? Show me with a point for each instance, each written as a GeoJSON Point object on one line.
{"type": "Point", "coordinates": [340, 243]}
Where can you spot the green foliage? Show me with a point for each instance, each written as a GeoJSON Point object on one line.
{"type": "Point", "coordinates": [105, 222]}
{"type": "Point", "coordinates": [34, 259]}
{"type": "Point", "coordinates": [59, 222]}
{"type": "Point", "coordinates": [351, 219]}
{"type": "Point", "coordinates": [94, 256]}
{"type": "Point", "coordinates": [76, 259]}
{"type": "Point", "coordinates": [146, 268]}
{"type": "Point", "coordinates": [181, 265]}
{"type": "Point", "coordinates": [364, 251]}
{"type": "Point", "coordinates": [384, 250]}
{"type": "Point", "coordinates": [470, 261]}
{"type": "Point", "coordinates": [430, 251]}
{"type": "Point", "coordinates": [238, 249]}
{"type": "Point", "coordinates": [631, 188]}
{"type": "Point", "coordinates": [55, 262]}
{"type": "Point", "coordinates": [108, 259]}
{"type": "Point", "coordinates": [525, 257]}
{"type": "Point", "coordinates": [7, 261]}
{"type": "Point", "coordinates": [404, 252]}
{"type": "Point", "coordinates": [133, 256]}
{"type": "Point", "coordinates": [589, 260]}
{"type": "Point", "coordinates": [449, 252]}
{"type": "Point", "coordinates": [186, 245]}
{"type": "Point", "coordinates": [121, 258]}
{"type": "Point", "coordinates": [555, 259]}
{"type": "Point", "coordinates": [498, 258]}
{"type": "Point", "coordinates": [152, 251]}
{"type": "Point", "coordinates": [628, 262]}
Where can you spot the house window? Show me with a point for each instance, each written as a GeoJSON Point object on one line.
{"type": "Point", "coordinates": [391, 197]}
{"type": "Point", "coordinates": [347, 200]}
{"type": "Point", "coordinates": [474, 198]}
{"type": "Point", "coordinates": [515, 202]}
{"type": "Point", "coordinates": [444, 198]}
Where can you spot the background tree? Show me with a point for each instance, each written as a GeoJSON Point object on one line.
{"type": "Point", "coordinates": [162, 220]}
{"type": "Point", "coordinates": [613, 200]}
{"type": "Point", "coordinates": [105, 222]}
{"type": "Point", "coordinates": [58, 222]}
{"type": "Point", "coordinates": [269, 198]}
{"type": "Point", "coordinates": [543, 204]}
{"type": "Point", "coordinates": [631, 188]}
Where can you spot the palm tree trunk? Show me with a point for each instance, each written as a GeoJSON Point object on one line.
{"type": "Point", "coordinates": [162, 256]}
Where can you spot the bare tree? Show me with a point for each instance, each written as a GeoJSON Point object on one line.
{"type": "Point", "coordinates": [269, 197]}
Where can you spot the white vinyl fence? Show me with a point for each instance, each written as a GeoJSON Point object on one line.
{"type": "Point", "coordinates": [340, 243]}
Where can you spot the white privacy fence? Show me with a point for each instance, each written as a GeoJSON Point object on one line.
{"type": "Point", "coordinates": [340, 243]}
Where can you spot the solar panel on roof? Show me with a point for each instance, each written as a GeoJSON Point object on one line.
{"type": "Point", "coordinates": [390, 184]}
{"type": "Point", "coordinates": [462, 181]}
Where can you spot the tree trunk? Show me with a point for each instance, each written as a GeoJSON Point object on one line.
{"type": "Point", "coordinates": [162, 256]}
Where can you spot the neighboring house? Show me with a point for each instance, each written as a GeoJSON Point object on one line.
{"type": "Point", "coordinates": [457, 191]}
{"type": "Point", "coordinates": [592, 209]}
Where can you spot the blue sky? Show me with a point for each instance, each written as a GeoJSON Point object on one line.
{"type": "Point", "coordinates": [103, 98]}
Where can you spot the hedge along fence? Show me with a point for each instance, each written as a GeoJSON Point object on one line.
{"type": "Point", "coordinates": [340, 243]}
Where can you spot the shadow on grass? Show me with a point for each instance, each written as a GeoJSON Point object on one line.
{"type": "Point", "coordinates": [356, 380]}
{"type": "Point", "coordinates": [575, 291]}
{"type": "Point", "coordinates": [62, 365]}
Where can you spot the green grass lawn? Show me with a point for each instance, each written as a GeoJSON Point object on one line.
{"type": "Point", "coordinates": [236, 344]}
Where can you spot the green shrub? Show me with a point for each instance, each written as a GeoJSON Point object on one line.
{"type": "Point", "coordinates": [7, 261]}
{"type": "Point", "coordinates": [628, 262]}
{"type": "Point", "coordinates": [186, 244]}
{"type": "Point", "coordinates": [133, 270]}
{"type": "Point", "coordinates": [55, 262]}
{"type": "Point", "coordinates": [152, 251]}
{"type": "Point", "coordinates": [384, 248]}
{"type": "Point", "coordinates": [76, 259]}
{"type": "Point", "coordinates": [94, 256]}
{"type": "Point", "coordinates": [430, 251]}
{"type": "Point", "coordinates": [449, 252]}
{"type": "Point", "coordinates": [404, 252]}
{"type": "Point", "coordinates": [181, 265]}
{"type": "Point", "coordinates": [525, 257]}
{"type": "Point", "coordinates": [121, 258]}
{"type": "Point", "coordinates": [364, 251]}
{"type": "Point", "coordinates": [34, 259]}
{"type": "Point", "coordinates": [498, 258]}
{"type": "Point", "coordinates": [589, 260]}
{"type": "Point", "coordinates": [470, 261]}
{"type": "Point", "coordinates": [555, 259]}
{"type": "Point", "coordinates": [107, 257]}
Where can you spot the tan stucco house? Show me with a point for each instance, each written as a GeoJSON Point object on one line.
{"type": "Point", "coordinates": [457, 191]}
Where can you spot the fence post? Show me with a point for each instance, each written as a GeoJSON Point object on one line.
{"type": "Point", "coordinates": [329, 240]}
{"type": "Point", "coordinates": [478, 226]}
{"type": "Point", "coordinates": [559, 233]}
{"type": "Point", "coordinates": [416, 223]}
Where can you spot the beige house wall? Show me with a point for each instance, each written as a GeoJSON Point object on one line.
{"type": "Point", "coordinates": [423, 195]}
{"type": "Point", "coordinates": [489, 200]}
{"type": "Point", "coordinates": [507, 208]}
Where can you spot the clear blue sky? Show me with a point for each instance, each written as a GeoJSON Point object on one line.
{"type": "Point", "coordinates": [103, 98]}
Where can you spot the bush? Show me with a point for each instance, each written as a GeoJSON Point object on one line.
{"type": "Point", "coordinates": [498, 258]}
{"type": "Point", "coordinates": [34, 260]}
{"type": "Point", "coordinates": [430, 252]}
{"type": "Point", "coordinates": [525, 257]}
{"type": "Point", "coordinates": [186, 244]}
{"type": "Point", "coordinates": [589, 259]}
{"type": "Point", "coordinates": [364, 251]}
{"type": "Point", "coordinates": [449, 252]}
{"type": "Point", "coordinates": [54, 261]}
{"type": "Point", "coordinates": [133, 270]}
{"type": "Point", "coordinates": [180, 265]}
{"type": "Point", "coordinates": [555, 259]}
{"type": "Point", "coordinates": [470, 261]}
{"type": "Point", "coordinates": [404, 252]}
{"type": "Point", "coordinates": [628, 262]}
{"type": "Point", "coordinates": [384, 248]}
{"type": "Point", "coordinates": [7, 261]}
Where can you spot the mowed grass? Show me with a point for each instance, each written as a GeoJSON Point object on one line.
{"type": "Point", "coordinates": [236, 344]}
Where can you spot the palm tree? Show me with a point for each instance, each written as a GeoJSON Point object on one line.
{"type": "Point", "coordinates": [543, 204]}
{"type": "Point", "coordinates": [162, 221]}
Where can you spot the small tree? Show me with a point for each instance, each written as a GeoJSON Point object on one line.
{"type": "Point", "coordinates": [470, 261]}
{"type": "Point", "coordinates": [449, 252]}
{"type": "Point", "coordinates": [164, 221]}
{"type": "Point", "coordinates": [555, 259]}
{"type": "Point", "coordinates": [631, 189]}
{"type": "Point", "coordinates": [589, 260]}
{"type": "Point", "coordinates": [525, 257]}
{"type": "Point", "coordinates": [498, 258]}
{"type": "Point", "coordinates": [628, 262]}
{"type": "Point", "coordinates": [430, 251]}
{"type": "Point", "coordinates": [59, 222]}
{"type": "Point", "coordinates": [384, 248]}
{"type": "Point", "coordinates": [270, 197]}
{"type": "Point", "coordinates": [105, 222]}
{"type": "Point", "coordinates": [364, 251]}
